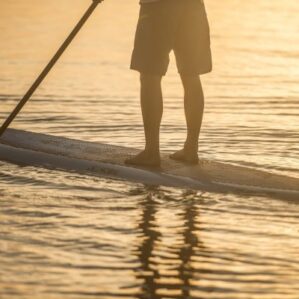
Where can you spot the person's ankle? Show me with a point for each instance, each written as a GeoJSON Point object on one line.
{"type": "Point", "coordinates": [191, 147]}
{"type": "Point", "coordinates": [152, 151]}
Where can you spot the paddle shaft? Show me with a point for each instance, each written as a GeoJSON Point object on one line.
{"type": "Point", "coordinates": [49, 66]}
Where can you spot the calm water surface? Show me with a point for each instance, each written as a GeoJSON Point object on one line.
{"type": "Point", "coordinates": [64, 235]}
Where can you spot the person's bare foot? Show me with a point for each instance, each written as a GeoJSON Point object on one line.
{"type": "Point", "coordinates": [145, 158]}
{"type": "Point", "coordinates": [183, 155]}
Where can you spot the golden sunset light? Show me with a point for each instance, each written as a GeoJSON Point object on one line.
{"type": "Point", "coordinates": [149, 149]}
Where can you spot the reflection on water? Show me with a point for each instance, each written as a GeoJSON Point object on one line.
{"type": "Point", "coordinates": [166, 252]}
{"type": "Point", "coordinates": [109, 239]}
{"type": "Point", "coordinates": [64, 235]}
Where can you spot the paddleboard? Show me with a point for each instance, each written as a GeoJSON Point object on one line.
{"type": "Point", "coordinates": [28, 148]}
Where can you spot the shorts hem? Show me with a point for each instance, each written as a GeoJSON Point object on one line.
{"type": "Point", "coordinates": [196, 73]}
{"type": "Point", "coordinates": [147, 71]}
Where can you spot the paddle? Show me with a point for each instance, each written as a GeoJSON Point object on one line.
{"type": "Point", "coordinates": [49, 66]}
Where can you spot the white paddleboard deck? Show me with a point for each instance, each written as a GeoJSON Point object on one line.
{"type": "Point", "coordinates": [36, 149]}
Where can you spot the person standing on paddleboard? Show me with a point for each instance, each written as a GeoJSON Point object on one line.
{"type": "Point", "coordinates": [163, 26]}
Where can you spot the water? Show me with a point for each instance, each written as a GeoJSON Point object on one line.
{"type": "Point", "coordinates": [65, 235]}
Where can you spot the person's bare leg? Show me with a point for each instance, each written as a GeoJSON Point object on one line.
{"type": "Point", "coordinates": [194, 108]}
{"type": "Point", "coordinates": [152, 110]}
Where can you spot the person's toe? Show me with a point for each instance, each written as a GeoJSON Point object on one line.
{"type": "Point", "coordinates": [144, 159]}
{"type": "Point", "coordinates": [183, 156]}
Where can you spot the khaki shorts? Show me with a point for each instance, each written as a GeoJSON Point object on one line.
{"type": "Point", "coordinates": [178, 25]}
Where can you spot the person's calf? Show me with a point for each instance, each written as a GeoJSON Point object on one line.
{"type": "Point", "coordinates": [152, 110]}
{"type": "Point", "coordinates": [194, 108]}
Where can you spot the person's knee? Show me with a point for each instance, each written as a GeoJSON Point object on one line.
{"type": "Point", "coordinates": [193, 89]}
{"type": "Point", "coordinates": [191, 82]}
{"type": "Point", "coordinates": [150, 80]}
